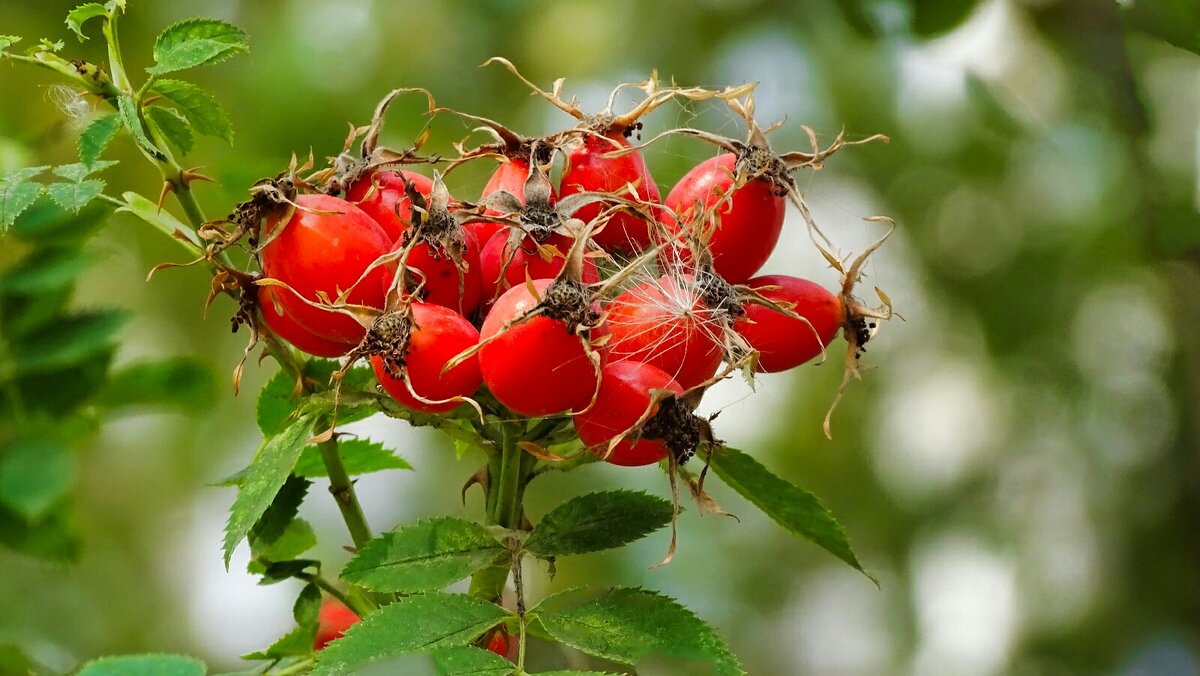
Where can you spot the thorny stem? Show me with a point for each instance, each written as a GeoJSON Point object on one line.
{"type": "Point", "coordinates": [509, 470]}
{"type": "Point", "coordinates": [342, 489]}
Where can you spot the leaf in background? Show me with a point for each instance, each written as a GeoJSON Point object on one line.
{"type": "Point", "coordinates": [934, 18]}
{"type": "Point", "coordinates": [598, 521]}
{"type": "Point", "coordinates": [130, 120]}
{"type": "Point", "coordinates": [184, 383]}
{"type": "Point", "coordinates": [172, 127]}
{"type": "Point", "coordinates": [14, 661]}
{"type": "Point", "coordinates": [149, 212]}
{"type": "Point", "coordinates": [626, 625]}
{"type": "Point", "coordinates": [54, 537]}
{"type": "Point", "coordinates": [47, 223]}
{"type": "Point", "coordinates": [81, 14]}
{"type": "Point", "coordinates": [409, 624]}
{"type": "Point", "coordinates": [44, 270]}
{"type": "Point", "coordinates": [97, 136]}
{"type": "Point", "coordinates": [1175, 21]}
{"type": "Point", "coordinates": [17, 194]}
{"type": "Point", "coordinates": [197, 106]}
{"type": "Point", "coordinates": [469, 661]}
{"type": "Point", "coordinates": [59, 392]}
{"type": "Point", "coordinates": [427, 555]}
{"type": "Point", "coordinates": [7, 41]}
{"type": "Point", "coordinates": [74, 339]}
{"type": "Point", "coordinates": [195, 42]}
{"type": "Point", "coordinates": [75, 196]}
{"type": "Point", "coordinates": [797, 510]}
{"type": "Point", "coordinates": [144, 665]}
{"type": "Point", "coordinates": [35, 474]}
{"type": "Point", "coordinates": [360, 456]}
{"type": "Point", "coordinates": [262, 483]}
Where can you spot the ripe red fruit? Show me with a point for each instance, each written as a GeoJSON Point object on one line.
{"type": "Point", "coordinates": [319, 251]}
{"type": "Point", "coordinates": [665, 323]}
{"type": "Point", "coordinates": [784, 342]}
{"type": "Point", "coordinates": [536, 367]}
{"type": "Point", "coordinates": [586, 170]}
{"type": "Point", "coordinates": [286, 328]}
{"type": "Point", "coordinates": [498, 251]}
{"type": "Point", "coordinates": [333, 620]}
{"type": "Point", "coordinates": [499, 643]}
{"type": "Point", "coordinates": [437, 335]}
{"type": "Point", "coordinates": [624, 396]}
{"type": "Point", "coordinates": [388, 202]}
{"type": "Point", "coordinates": [440, 275]}
{"type": "Point", "coordinates": [747, 227]}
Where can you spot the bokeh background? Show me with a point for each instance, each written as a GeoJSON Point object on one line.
{"type": "Point", "coordinates": [1020, 470]}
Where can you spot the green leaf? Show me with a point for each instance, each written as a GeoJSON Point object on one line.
{"type": "Point", "coordinates": [409, 624]}
{"type": "Point", "coordinates": [276, 402]}
{"type": "Point", "coordinates": [469, 661]}
{"type": "Point", "coordinates": [171, 126]}
{"type": "Point", "coordinates": [598, 521]}
{"type": "Point", "coordinates": [297, 642]}
{"type": "Point", "coordinates": [195, 42]}
{"type": "Point", "coordinates": [7, 41]}
{"type": "Point", "coordinates": [97, 136]}
{"type": "Point", "coordinates": [75, 196]}
{"type": "Point", "coordinates": [197, 106]}
{"type": "Point", "coordinates": [35, 473]}
{"type": "Point", "coordinates": [81, 14]}
{"type": "Point", "coordinates": [262, 483]}
{"type": "Point", "coordinates": [626, 625]}
{"type": "Point", "coordinates": [162, 220]}
{"type": "Point", "coordinates": [144, 665]}
{"type": "Point", "coordinates": [79, 170]}
{"type": "Point", "coordinates": [132, 122]}
{"type": "Point", "coordinates": [283, 508]}
{"type": "Point", "coordinates": [308, 606]}
{"type": "Point", "coordinates": [360, 456]}
{"type": "Point", "coordinates": [572, 672]}
{"type": "Point", "coordinates": [74, 339]}
{"type": "Point", "coordinates": [297, 537]}
{"type": "Point", "coordinates": [44, 270]}
{"type": "Point", "coordinates": [17, 194]}
{"type": "Point", "coordinates": [427, 555]}
{"type": "Point", "coordinates": [183, 383]}
{"type": "Point", "coordinates": [797, 510]}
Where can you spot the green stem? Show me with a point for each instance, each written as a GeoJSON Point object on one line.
{"type": "Point", "coordinates": [328, 588]}
{"type": "Point", "coordinates": [508, 473]}
{"type": "Point", "coordinates": [342, 489]}
{"type": "Point", "coordinates": [296, 668]}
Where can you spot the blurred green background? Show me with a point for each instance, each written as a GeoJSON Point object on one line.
{"type": "Point", "coordinates": [1020, 470]}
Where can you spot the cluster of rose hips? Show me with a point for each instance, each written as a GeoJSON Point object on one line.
{"type": "Point", "coordinates": [597, 299]}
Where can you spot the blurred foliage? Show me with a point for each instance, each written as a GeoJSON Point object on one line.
{"type": "Point", "coordinates": [1020, 472]}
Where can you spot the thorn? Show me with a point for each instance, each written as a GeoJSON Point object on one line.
{"type": "Point", "coordinates": [167, 188]}
{"type": "Point", "coordinates": [193, 174]}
